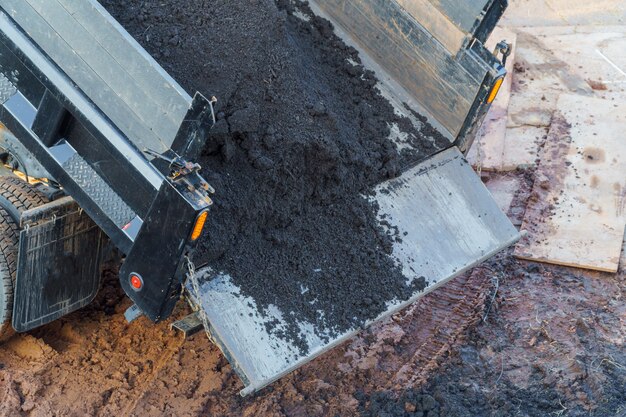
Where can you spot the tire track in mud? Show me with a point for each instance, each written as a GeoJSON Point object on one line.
{"type": "Point", "coordinates": [454, 308]}
{"type": "Point", "coordinates": [408, 348]}
{"type": "Point", "coordinates": [94, 363]}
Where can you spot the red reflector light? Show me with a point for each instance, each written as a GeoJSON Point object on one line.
{"type": "Point", "coordinates": [136, 282]}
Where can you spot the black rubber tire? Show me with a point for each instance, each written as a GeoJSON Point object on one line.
{"type": "Point", "coordinates": [9, 238]}
{"type": "Point", "coordinates": [16, 196]}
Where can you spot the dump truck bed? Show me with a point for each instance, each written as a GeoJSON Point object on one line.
{"type": "Point", "coordinates": [429, 58]}
{"type": "Point", "coordinates": [82, 102]}
{"type": "Point", "coordinates": [427, 54]}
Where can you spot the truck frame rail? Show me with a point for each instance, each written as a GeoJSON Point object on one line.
{"type": "Point", "coordinates": [85, 101]}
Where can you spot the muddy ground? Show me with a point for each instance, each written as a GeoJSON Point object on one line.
{"type": "Point", "coordinates": [510, 338]}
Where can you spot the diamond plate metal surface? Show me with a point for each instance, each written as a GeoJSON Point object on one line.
{"type": "Point", "coordinates": [7, 89]}
{"type": "Point", "coordinates": [99, 191]}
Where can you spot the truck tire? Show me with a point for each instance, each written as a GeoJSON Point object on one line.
{"type": "Point", "coordinates": [9, 238]}
{"type": "Point", "coordinates": [16, 196]}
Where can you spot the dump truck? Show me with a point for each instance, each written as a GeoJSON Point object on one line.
{"type": "Point", "coordinates": [98, 145]}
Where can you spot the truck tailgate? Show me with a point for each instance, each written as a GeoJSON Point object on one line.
{"type": "Point", "coordinates": [429, 54]}
{"type": "Point", "coordinates": [449, 223]}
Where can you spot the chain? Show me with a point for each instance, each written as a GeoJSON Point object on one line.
{"type": "Point", "coordinates": [479, 153]}
{"type": "Point", "coordinates": [195, 285]}
{"type": "Point", "coordinates": [191, 276]}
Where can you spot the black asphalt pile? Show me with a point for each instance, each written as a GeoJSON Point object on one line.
{"type": "Point", "coordinates": [302, 137]}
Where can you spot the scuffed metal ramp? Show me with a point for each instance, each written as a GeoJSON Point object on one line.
{"type": "Point", "coordinates": [451, 223]}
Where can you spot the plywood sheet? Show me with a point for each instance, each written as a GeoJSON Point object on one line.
{"type": "Point", "coordinates": [543, 72]}
{"type": "Point", "coordinates": [565, 12]}
{"type": "Point", "coordinates": [595, 54]}
{"type": "Point", "coordinates": [622, 261]}
{"type": "Point", "coordinates": [520, 147]}
{"type": "Point", "coordinates": [503, 188]}
{"type": "Point", "coordinates": [555, 60]}
{"type": "Point", "coordinates": [576, 213]}
{"type": "Point", "coordinates": [488, 150]}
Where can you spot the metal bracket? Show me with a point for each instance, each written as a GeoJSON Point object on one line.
{"type": "Point", "coordinates": [504, 48]}
{"type": "Point", "coordinates": [186, 173]}
{"type": "Point", "coordinates": [27, 160]}
{"type": "Point", "coordinates": [132, 313]}
{"type": "Point", "coordinates": [189, 325]}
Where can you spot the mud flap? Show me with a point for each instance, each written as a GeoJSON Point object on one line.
{"type": "Point", "coordinates": [58, 271]}
{"type": "Point", "coordinates": [449, 223]}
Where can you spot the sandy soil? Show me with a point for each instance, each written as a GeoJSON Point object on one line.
{"type": "Point", "coordinates": [94, 363]}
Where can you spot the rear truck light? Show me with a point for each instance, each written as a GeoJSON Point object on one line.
{"type": "Point", "coordinates": [136, 282]}
{"type": "Point", "coordinates": [199, 225]}
{"type": "Point", "coordinates": [495, 90]}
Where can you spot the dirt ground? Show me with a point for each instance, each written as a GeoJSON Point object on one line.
{"type": "Point", "coordinates": [510, 338]}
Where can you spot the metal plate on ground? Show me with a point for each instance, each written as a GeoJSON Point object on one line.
{"type": "Point", "coordinates": [449, 223]}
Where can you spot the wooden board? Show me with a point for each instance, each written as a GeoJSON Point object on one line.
{"type": "Point", "coordinates": [554, 60]}
{"type": "Point", "coordinates": [622, 261]}
{"type": "Point", "coordinates": [488, 150]}
{"type": "Point", "coordinates": [521, 145]}
{"type": "Point", "coordinates": [576, 213]}
{"type": "Point", "coordinates": [503, 188]}
{"type": "Point", "coordinates": [565, 12]}
{"type": "Point", "coordinates": [595, 54]}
